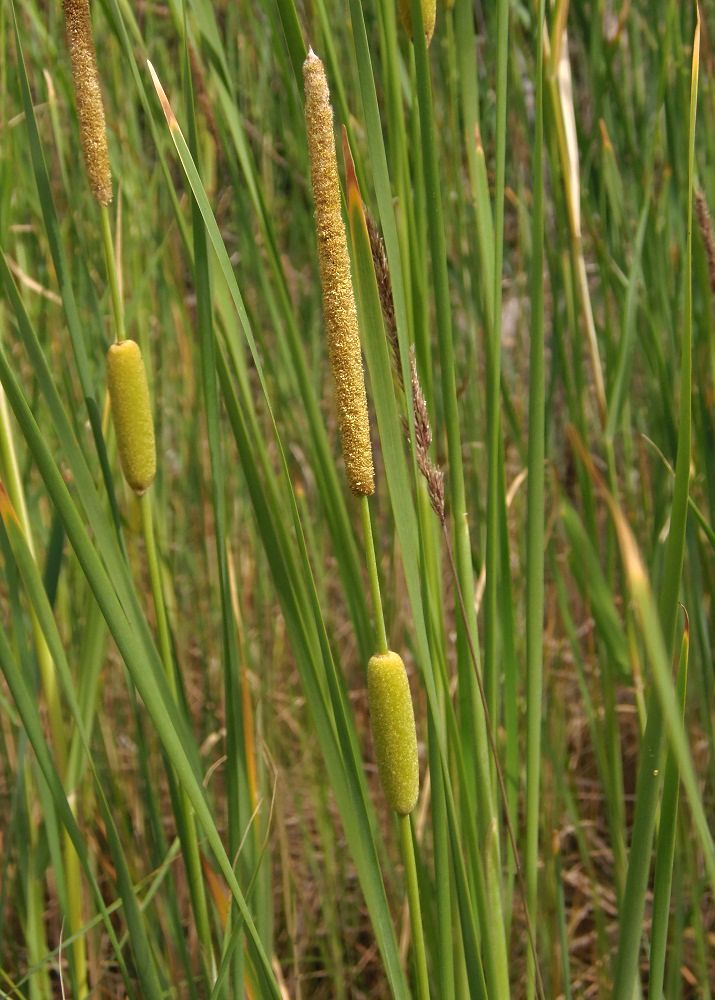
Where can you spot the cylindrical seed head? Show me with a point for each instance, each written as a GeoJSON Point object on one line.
{"type": "Point", "coordinates": [336, 280]}
{"type": "Point", "coordinates": [90, 107]}
{"type": "Point", "coordinates": [394, 737]}
{"type": "Point", "coordinates": [131, 414]}
{"type": "Point", "coordinates": [429, 16]}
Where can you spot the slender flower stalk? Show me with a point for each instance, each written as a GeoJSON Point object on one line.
{"type": "Point", "coordinates": [336, 280]}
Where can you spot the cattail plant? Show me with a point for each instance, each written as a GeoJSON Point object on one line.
{"type": "Point", "coordinates": [336, 280]}
{"type": "Point", "coordinates": [131, 413]}
{"type": "Point", "coordinates": [429, 16]}
{"type": "Point", "coordinates": [393, 730]}
{"type": "Point", "coordinates": [88, 95]}
{"type": "Point", "coordinates": [134, 430]}
{"type": "Point", "coordinates": [390, 701]}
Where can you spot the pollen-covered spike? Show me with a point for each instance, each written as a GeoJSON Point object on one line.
{"type": "Point", "coordinates": [88, 95]}
{"type": "Point", "coordinates": [336, 280]}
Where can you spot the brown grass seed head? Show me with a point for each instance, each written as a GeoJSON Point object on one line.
{"type": "Point", "coordinates": [336, 280]}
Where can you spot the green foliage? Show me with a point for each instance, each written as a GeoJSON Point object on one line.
{"type": "Point", "coordinates": [190, 796]}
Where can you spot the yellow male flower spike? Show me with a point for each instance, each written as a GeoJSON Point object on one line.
{"type": "Point", "coordinates": [131, 413]}
{"type": "Point", "coordinates": [429, 16]}
{"type": "Point", "coordinates": [90, 107]}
{"type": "Point", "coordinates": [392, 720]}
{"type": "Point", "coordinates": [336, 280]}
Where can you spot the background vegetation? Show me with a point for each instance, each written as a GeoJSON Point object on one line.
{"type": "Point", "coordinates": [189, 799]}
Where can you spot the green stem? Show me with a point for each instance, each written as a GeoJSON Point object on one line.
{"type": "Point", "coordinates": [665, 852]}
{"type": "Point", "coordinates": [34, 922]}
{"type": "Point", "coordinates": [500, 778]}
{"type": "Point", "coordinates": [157, 591]}
{"type": "Point", "coordinates": [408, 851]}
{"type": "Point", "coordinates": [492, 918]}
{"type": "Point", "coordinates": [112, 276]}
{"type": "Point", "coordinates": [192, 855]}
{"type": "Point", "coordinates": [652, 751]}
{"type": "Point", "coordinates": [380, 633]}
{"type": "Point", "coordinates": [535, 514]}
{"type": "Point", "coordinates": [494, 512]}
{"type": "Point", "coordinates": [11, 477]}
{"type": "Point", "coordinates": [413, 897]}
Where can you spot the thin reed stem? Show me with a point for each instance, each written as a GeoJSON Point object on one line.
{"type": "Point", "coordinates": [648, 783]}
{"type": "Point", "coordinates": [112, 275]}
{"type": "Point", "coordinates": [157, 589]}
{"type": "Point", "coordinates": [11, 478]}
{"type": "Point", "coordinates": [494, 341]}
{"type": "Point", "coordinates": [494, 928]}
{"type": "Point", "coordinates": [34, 906]}
{"type": "Point", "coordinates": [407, 846]}
{"type": "Point", "coordinates": [413, 896]}
{"type": "Point", "coordinates": [535, 517]}
{"type": "Point", "coordinates": [500, 774]}
{"type": "Point", "coordinates": [371, 559]}
{"type": "Point", "coordinates": [192, 856]}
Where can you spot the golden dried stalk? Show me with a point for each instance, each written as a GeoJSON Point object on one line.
{"type": "Point", "coordinates": [90, 107]}
{"type": "Point", "coordinates": [336, 280]}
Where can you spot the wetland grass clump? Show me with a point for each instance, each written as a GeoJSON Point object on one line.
{"type": "Point", "coordinates": [131, 413]}
{"type": "Point", "coordinates": [209, 768]}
